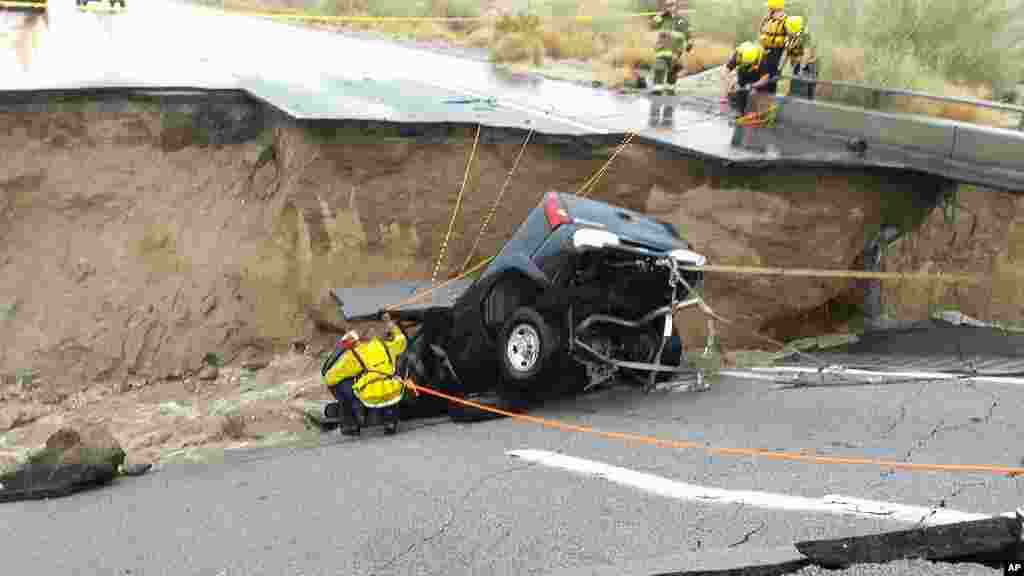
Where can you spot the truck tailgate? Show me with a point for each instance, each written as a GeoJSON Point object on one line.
{"type": "Point", "coordinates": [367, 302]}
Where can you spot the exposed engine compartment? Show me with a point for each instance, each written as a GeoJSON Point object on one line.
{"type": "Point", "coordinates": [617, 313]}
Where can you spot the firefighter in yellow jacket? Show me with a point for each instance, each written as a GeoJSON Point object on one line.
{"type": "Point", "coordinates": [802, 53]}
{"type": "Point", "coordinates": [362, 372]}
{"type": "Point", "coordinates": [772, 36]}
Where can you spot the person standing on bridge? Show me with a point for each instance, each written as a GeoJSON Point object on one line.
{"type": "Point", "coordinates": [802, 53]}
{"type": "Point", "coordinates": [671, 47]}
{"type": "Point", "coordinates": [672, 44]}
{"type": "Point", "coordinates": [748, 64]}
{"type": "Point", "coordinates": [772, 36]}
{"type": "Point", "coordinates": [361, 374]}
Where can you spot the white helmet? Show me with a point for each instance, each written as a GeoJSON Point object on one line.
{"type": "Point", "coordinates": [349, 339]}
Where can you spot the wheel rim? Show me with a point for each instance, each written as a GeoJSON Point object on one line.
{"type": "Point", "coordinates": [523, 348]}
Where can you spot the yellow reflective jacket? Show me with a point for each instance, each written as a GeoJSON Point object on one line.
{"type": "Point", "coordinates": [773, 31]}
{"type": "Point", "coordinates": [372, 364]}
{"type": "Point", "coordinates": [801, 49]}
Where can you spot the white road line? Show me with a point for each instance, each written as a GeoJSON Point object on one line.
{"type": "Point", "coordinates": [831, 504]}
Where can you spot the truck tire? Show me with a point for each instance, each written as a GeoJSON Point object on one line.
{"type": "Point", "coordinates": [526, 346]}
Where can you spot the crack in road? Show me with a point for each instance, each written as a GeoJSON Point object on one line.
{"type": "Point", "coordinates": [958, 488]}
{"type": "Point", "coordinates": [943, 427]}
{"type": "Point", "coordinates": [453, 513]}
{"type": "Point", "coordinates": [903, 410]}
{"type": "Point", "coordinates": [748, 535]}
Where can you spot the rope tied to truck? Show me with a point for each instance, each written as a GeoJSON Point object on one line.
{"type": "Point", "coordinates": [458, 204]}
{"type": "Point", "coordinates": [497, 200]}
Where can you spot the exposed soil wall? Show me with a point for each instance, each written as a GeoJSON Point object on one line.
{"type": "Point", "coordinates": [137, 236]}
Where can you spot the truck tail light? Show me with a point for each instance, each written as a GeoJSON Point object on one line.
{"type": "Point", "coordinates": [555, 213]}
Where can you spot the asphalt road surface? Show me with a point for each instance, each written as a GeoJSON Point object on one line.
{"type": "Point", "coordinates": [445, 498]}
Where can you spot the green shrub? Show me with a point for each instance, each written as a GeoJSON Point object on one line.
{"type": "Point", "coordinates": [953, 38]}
{"type": "Point", "coordinates": [914, 44]}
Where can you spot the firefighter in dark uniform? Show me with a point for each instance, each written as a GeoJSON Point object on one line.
{"type": "Point", "coordinates": [751, 77]}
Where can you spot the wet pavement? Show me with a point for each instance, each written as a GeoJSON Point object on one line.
{"type": "Point", "coordinates": [320, 74]}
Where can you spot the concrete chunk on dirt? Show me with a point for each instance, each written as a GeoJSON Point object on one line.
{"type": "Point", "coordinates": [73, 459]}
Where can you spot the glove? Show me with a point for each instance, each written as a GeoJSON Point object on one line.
{"type": "Point", "coordinates": [723, 105]}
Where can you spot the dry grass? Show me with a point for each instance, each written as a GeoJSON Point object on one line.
{"type": "Point", "coordinates": [856, 65]}
{"type": "Point", "coordinates": [519, 47]}
{"type": "Point", "coordinates": [707, 54]}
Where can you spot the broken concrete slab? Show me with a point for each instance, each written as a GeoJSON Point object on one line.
{"type": "Point", "coordinates": [316, 414]}
{"type": "Point", "coordinates": [717, 562]}
{"type": "Point", "coordinates": [71, 461]}
{"type": "Point", "coordinates": [986, 539]}
{"type": "Point", "coordinates": [136, 469]}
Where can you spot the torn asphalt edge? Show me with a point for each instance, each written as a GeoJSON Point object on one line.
{"type": "Point", "coordinates": [990, 542]}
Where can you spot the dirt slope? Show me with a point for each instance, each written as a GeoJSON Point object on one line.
{"type": "Point", "coordinates": [139, 236]}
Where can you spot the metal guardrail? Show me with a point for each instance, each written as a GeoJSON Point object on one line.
{"type": "Point", "coordinates": [876, 93]}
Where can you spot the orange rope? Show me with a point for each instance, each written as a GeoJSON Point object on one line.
{"type": "Point", "coordinates": [747, 452]}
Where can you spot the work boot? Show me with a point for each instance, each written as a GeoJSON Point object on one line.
{"type": "Point", "coordinates": [667, 117]}
{"type": "Point", "coordinates": [392, 427]}
{"type": "Point", "coordinates": [654, 117]}
{"type": "Point", "coordinates": [349, 420]}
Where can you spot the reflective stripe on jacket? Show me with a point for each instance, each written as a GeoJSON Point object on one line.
{"type": "Point", "coordinates": [372, 364]}
{"type": "Point", "coordinates": [673, 33]}
{"type": "Point", "coordinates": [773, 31]}
{"type": "Point", "coordinates": [800, 46]}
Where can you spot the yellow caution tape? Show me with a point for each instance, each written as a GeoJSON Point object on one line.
{"type": "Point", "coordinates": [853, 274]}
{"type": "Point", "coordinates": [40, 5]}
{"type": "Point", "coordinates": [295, 15]}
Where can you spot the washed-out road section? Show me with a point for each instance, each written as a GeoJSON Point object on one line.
{"type": "Point", "coordinates": [444, 498]}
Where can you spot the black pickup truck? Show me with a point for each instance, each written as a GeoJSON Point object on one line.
{"type": "Point", "coordinates": [582, 294]}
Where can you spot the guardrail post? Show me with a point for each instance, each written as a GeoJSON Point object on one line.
{"type": "Point", "coordinates": [876, 100]}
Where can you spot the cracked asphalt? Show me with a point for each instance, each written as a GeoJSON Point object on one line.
{"type": "Point", "coordinates": [447, 499]}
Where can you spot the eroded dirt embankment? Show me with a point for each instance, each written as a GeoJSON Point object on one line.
{"type": "Point", "coordinates": [138, 237]}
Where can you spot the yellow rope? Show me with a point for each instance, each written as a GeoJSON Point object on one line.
{"type": "Point", "coordinates": [588, 187]}
{"type": "Point", "coordinates": [458, 204]}
{"type": "Point", "coordinates": [497, 201]}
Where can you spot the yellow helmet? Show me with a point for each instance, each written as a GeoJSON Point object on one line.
{"type": "Point", "coordinates": [776, 4]}
{"type": "Point", "coordinates": [795, 25]}
{"type": "Point", "coordinates": [749, 54]}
